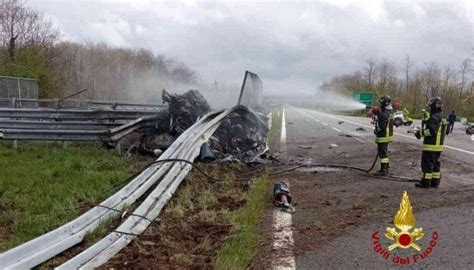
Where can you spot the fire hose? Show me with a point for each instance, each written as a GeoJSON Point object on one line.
{"type": "Point", "coordinates": [392, 178]}
{"type": "Point", "coordinates": [281, 192]}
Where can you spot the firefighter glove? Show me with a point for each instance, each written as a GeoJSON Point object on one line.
{"type": "Point", "coordinates": [418, 134]}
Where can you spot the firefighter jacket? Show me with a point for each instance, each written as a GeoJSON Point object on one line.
{"type": "Point", "coordinates": [384, 126]}
{"type": "Point", "coordinates": [434, 132]}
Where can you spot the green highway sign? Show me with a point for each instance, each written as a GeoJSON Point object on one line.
{"type": "Point", "coordinates": [364, 97]}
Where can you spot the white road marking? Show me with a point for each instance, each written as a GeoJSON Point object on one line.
{"type": "Point", "coordinates": [282, 234]}
{"type": "Point", "coordinates": [269, 123]}
{"type": "Point", "coordinates": [283, 128]}
{"type": "Point", "coordinates": [395, 133]}
{"type": "Point", "coordinates": [317, 120]}
{"type": "Point", "coordinates": [282, 241]}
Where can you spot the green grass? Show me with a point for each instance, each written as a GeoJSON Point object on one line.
{"type": "Point", "coordinates": [42, 186]}
{"type": "Point", "coordinates": [239, 249]}
{"type": "Point", "coordinates": [319, 224]}
{"type": "Point", "coordinates": [274, 132]}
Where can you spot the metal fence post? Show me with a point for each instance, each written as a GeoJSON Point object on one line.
{"type": "Point", "coordinates": [16, 104]}
{"type": "Point", "coordinates": [119, 148]}
{"type": "Point", "coordinates": [19, 90]}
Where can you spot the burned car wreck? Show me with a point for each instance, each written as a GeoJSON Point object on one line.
{"type": "Point", "coordinates": [238, 139]}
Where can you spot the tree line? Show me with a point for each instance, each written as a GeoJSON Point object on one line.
{"type": "Point", "coordinates": [412, 84]}
{"type": "Point", "coordinates": [30, 46]}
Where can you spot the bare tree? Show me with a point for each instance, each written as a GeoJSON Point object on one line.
{"type": "Point", "coordinates": [408, 65]}
{"type": "Point", "coordinates": [370, 71]}
{"type": "Point", "coordinates": [415, 86]}
{"type": "Point", "coordinates": [465, 68]}
{"type": "Point", "coordinates": [416, 89]}
{"type": "Point", "coordinates": [386, 80]}
{"type": "Point", "coordinates": [181, 73]}
{"type": "Point", "coordinates": [12, 21]}
{"type": "Point", "coordinates": [22, 26]}
{"type": "Point", "coordinates": [448, 77]}
{"type": "Point", "coordinates": [432, 81]}
{"type": "Point", "coordinates": [40, 32]}
{"type": "Point", "coordinates": [472, 87]}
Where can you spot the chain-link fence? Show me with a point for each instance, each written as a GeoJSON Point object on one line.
{"type": "Point", "coordinates": [12, 88]}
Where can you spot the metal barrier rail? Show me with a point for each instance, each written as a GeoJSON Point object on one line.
{"type": "Point", "coordinates": [55, 135]}
{"type": "Point", "coordinates": [64, 114]}
{"type": "Point", "coordinates": [71, 124]}
{"type": "Point", "coordinates": [77, 132]}
{"type": "Point", "coordinates": [169, 175]}
{"type": "Point", "coordinates": [82, 125]}
{"type": "Point", "coordinates": [59, 103]}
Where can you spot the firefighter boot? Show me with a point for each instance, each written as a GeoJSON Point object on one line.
{"type": "Point", "coordinates": [425, 183]}
{"type": "Point", "coordinates": [383, 170]}
{"type": "Point", "coordinates": [435, 182]}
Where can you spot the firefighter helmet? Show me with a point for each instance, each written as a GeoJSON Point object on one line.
{"type": "Point", "coordinates": [435, 103]}
{"type": "Point", "coordinates": [385, 101]}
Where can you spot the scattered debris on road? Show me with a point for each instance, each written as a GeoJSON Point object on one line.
{"type": "Point", "coordinates": [346, 135]}
{"type": "Point", "coordinates": [282, 197]}
{"type": "Point", "coordinates": [340, 122]}
{"type": "Point", "coordinates": [333, 145]}
{"type": "Point", "coordinates": [304, 147]}
{"type": "Point", "coordinates": [360, 129]}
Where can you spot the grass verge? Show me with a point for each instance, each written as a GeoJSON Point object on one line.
{"type": "Point", "coordinates": [42, 186]}
{"type": "Point", "coordinates": [206, 224]}
{"type": "Point", "coordinates": [243, 244]}
{"type": "Point", "coordinates": [193, 225]}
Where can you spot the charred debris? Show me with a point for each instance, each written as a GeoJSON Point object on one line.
{"type": "Point", "coordinates": [238, 139]}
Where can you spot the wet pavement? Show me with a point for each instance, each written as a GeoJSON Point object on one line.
{"type": "Point", "coordinates": [337, 211]}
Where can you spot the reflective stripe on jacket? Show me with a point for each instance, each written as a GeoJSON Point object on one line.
{"type": "Point", "coordinates": [384, 126]}
{"type": "Point", "coordinates": [434, 133]}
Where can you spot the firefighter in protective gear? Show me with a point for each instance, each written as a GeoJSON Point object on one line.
{"type": "Point", "coordinates": [384, 133]}
{"type": "Point", "coordinates": [433, 132]}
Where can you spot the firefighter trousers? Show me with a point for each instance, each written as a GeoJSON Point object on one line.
{"type": "Point", "coordinates": [430, 165]}
{"type": "Point", "coordinates": [382, 152]}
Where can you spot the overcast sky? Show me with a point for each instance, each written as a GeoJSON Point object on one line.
{"type": "Point", "coordinates": [295, 44]}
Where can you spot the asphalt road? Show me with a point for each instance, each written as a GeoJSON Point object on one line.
{"type": "Point", "coordinates": [337, 211]}
{"type": "Point", "coordinates": [458, 145]}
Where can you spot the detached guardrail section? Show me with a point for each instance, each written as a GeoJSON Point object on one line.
{"type": "Point", "coordinates": [71, 124]}
{"type": "Point", "coordinates": [167, 175]}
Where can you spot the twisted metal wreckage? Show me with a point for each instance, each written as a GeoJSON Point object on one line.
{"type": "Point", "coordinates": [236, 133]}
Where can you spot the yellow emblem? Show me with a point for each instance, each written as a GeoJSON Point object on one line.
{"type": "Point", "coordinates": [405, 221]}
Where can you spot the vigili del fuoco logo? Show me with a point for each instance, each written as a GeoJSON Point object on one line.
{"type": "Point", "coordinates": [404, 237]}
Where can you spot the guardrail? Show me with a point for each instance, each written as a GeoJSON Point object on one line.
{"type": "Point", "coordinates": [71, 124]}
{"type": "Point", "coordinates": [31, 124]}
{"type": "Point", "coordinates": [73, 114]}
{"type": "Point", "coordinates": [187, 146]}
{"type": "Point", "coordinates": [59, 103]}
